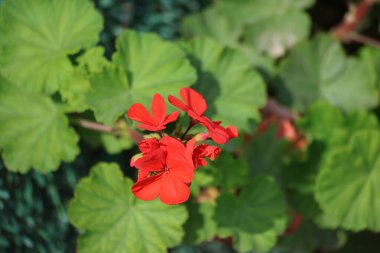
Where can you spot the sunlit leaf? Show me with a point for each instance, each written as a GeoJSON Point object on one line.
{"type": "Point", "coordinates": [144, 65]}
{"type": "Point", "coordinates": [318, 69]}
{"type": "Point", "coordinates": [38, 36]}
{"type": "Point", "coordinates": [232, 89]}
{"type": "Point", "coordinates": [34, 132]}
{"type": "Point", "coordinates": [114, 221]}
{"type": "Point", "coordinates": [349, 179]}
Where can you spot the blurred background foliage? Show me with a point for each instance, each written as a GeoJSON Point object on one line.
{"type": "Point", "coordinates": [33, 206]}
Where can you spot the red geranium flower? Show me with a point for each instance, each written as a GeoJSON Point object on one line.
{"type": "Point", "coordinates": [149, 145]}
{"type": "Point", "coordinates": [203, 150]}
{"type": "Point", "coordinates": [166, 172]}
{"type": "Point", "coordinates": [195, 105]}
{"type": "Point", "coordinates": [157, 120]}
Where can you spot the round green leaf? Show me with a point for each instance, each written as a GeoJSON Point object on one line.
{"type": "Point", "coordinates": [232, 88]}
{"type": "Point", "coordinates": [348, 183]}
{"type": "Point", "coordinates": [38, 36]}
{"type": "Point", "coordinates": [34, 132]}
{"type": "Point", "coordinates": [318, 69]}
{"type": "Point", "coordinates": [114, 221]}
{"type": "Point", "coordinates": [255, 211]}
{"type": "Point", "coordinates": [145, 65]}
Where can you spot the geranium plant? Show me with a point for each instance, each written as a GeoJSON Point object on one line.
{"type": "Point", "coordinates": [250, 133]}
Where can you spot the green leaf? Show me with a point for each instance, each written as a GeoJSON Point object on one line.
{"type": "Point", "coordinates": [261, 242]}
{"type": "Point", "coordinates": [114, 221]}
{"type": "Point", "coordinates": [265, 154]}
{"type": "Point", "coordinates": [321, 120]}
{"type": "Point", "coordinates": [255, 211]}
{"type": "Point", "coordinates": [38, 36]}
{"type": "Point", "coordinates": [73, 93]}
{"type": "Point", "coordinates": [232, 89]}
{"type": "Point", "coordinates": [34, 132]}
{"type": "Point", "coordinates": [92, 61]}
{"type": "Point", "coordinates": [200, 226]}
{"type": "Point", "coordinates": [309, 238]}
{"type": "Point", "coordinates": [226, 171]}
{"type": "Point", "coordinates": [145, 65]}
{"type": "Point", "coordinates": [318, 69]}
{"type": "Point", "coordinates": [114, 145]}
{"type": "Point", "coordinates": [299, 177]}
{"type": "Point", "coordinates": [347, 185]}
{"type": "Point", "coordinates": [324, 122]}
{"type": "Point", "coordinates": [371, 58]}
{"type": "Point", "coordinates": [75, 89]}
{"type": "Point", "coordinates": [270, 26]}
{"type": "Point", "coordinates": [210, 23]}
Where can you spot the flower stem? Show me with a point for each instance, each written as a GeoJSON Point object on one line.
{"type": "Point", "coordinates": [94, 126]}
{"type": "Point", "coordinates": [192, 123]}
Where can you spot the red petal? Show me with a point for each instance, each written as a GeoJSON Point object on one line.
{"type": "Point", "coordinates": [232, 132]}
{"type": "Point", "coordinates": [172, 145]}
{"type": "Point", "coordinates": [139, 113]}
{"type": "Point", "coordinates": [158, 109]}
{"type": "Point", "coordinates": [143, 174]}
{"type": "Point", "coordinates": [148, 188]}
{"type": "Point", "coordinates": [149, 145]}
{"type": "Point", "coordinates": [154, 161]}
{"type": "Point", "coordinates": [171, 117]}
{"type": "Point", "coordinates": [177, 103]}
{"type": "Point", "coordinates": [183, 172]}
{"type": "Point", "coordinates": [194, 100]}
{"type": "Point", "coordinates": [173, 190]}
{"type": "Point", "coordinates": [151, 127]}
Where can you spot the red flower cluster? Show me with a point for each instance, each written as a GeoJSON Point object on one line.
{"type": "Point", "coordinates": [166, 164]}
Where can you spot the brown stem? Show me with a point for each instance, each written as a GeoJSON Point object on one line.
{"type": "Point", "coordinates": [274, 108]}
{"type": "Point", "coordinates": [352, 19]}
{"type": "Point", "coordinates": [94, 126]}
{"type": "Point", "coordinates": [364, 40]}
{"type": "Point", "coordinates": [192, 123]}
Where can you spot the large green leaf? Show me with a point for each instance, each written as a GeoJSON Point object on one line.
{"type": "Point", "coordinates": [233, 90]}
{"type": "Point", "coordinates": [251, 214]}
{"type": "Point", "coordinates": [145, 65]}
{"type": "Point", "coordinates": [348, 183]}
{"type": "Point", "coordinates": [114, 221]}
{"type": "Point", "coordinates": [34, 132]}
{"type": "Point", "coordinates": [271, 26]}
{"type": "Point", "coordinates": [318, 69]}
{"type": "Point", "coordinates": [38, 36]}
